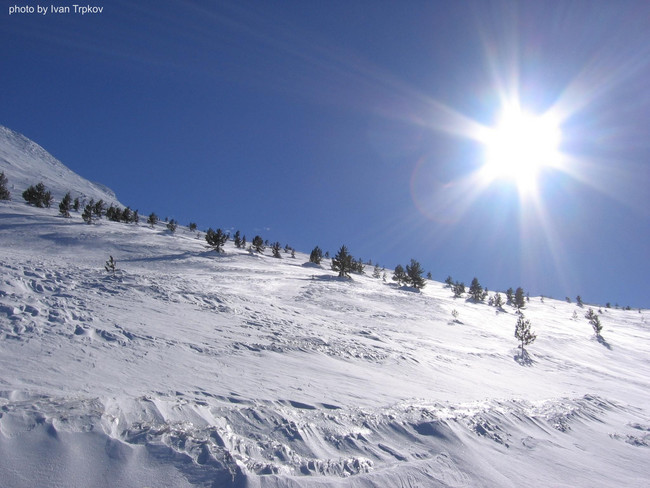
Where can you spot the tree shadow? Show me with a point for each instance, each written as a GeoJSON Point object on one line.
{"type": "Point", "coordinates": [523, 358]}
{"type": "Point", "coordinates": [602, 341]}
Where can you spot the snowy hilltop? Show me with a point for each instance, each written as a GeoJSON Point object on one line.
{"type": "Point", "coordinates": [173, 365]}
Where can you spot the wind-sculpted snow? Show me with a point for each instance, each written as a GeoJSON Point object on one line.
{"type": "Point", "coordinates": [190, 368]}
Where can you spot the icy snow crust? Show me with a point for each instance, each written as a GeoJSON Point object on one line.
{"type": "Point", "coordinates": [192, 368]}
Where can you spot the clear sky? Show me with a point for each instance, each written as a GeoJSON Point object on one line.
{"type": "Point", "coordinates": [365, 123]}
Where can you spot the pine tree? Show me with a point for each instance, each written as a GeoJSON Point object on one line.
{"type": "Point", "coordinates": [216, 239]}
{"type": "Point", "coordinates": [258, 244]}
{"type": "Point", "coordinates": [76, 204]}
{"type": "Point", "coordinates": [523, 332]}
{"type": "Point", "coordinates": [4, 191]}
{"type": "Point", "coordinates": [127, 215]}
{"type": "Point", "coordinates": [476, 291]}
{"type": "Point", "coordinates": [276, 250]}
{"type": "Point", "coordinates": [399, 275]}
{"type": "Point", "coordinates": [458, 289]}
{"type": "Point", "coordinates": [38, 195]}
{"type": "Point", "coordinates": [110, 265]}
{"type": "Point", "coordinates": [594, 320]}
{"type": "Point", "coordinates": [237, 239]}
{"type": "Point", "coordinates": [172, 225]}
{"type": "Point", "coordinates": [498, 300]}
{"type": "Point", "coordinates": [343, 262]}
{"type": "Point", "coordinates": [449, 282]}
{"type": "Point", "coordinates": [414, 275]}
{"type": "Point", "coordinates": [98, 208]}
{"type": "Point", "coordinates": [152, 220]}
{"type": "Point", "coordinates": [358, 266]}
{"type": "Point", "coordinates": [520, 301]}
{"type": "Point", "coordinates": [376, 272]}
{"type": "Point", "coordinates": [65, 205]}
{"type": "Point", "coordinates": [87, 214]}
{"type": "Point", "coordinates": [316, 255]}
{"type": "Point", "coordinates": [509, 295]}
{"type": "Point", "coordinates": [192, 226]}
{"type": "Point", "coordinates": [579, 301]}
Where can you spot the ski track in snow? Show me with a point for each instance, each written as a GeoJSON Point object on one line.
{"type": "Point", "coordinates": [189, 368]}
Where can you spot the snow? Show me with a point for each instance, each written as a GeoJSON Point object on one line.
{"type": "Point", "coordinates": [192, 368]}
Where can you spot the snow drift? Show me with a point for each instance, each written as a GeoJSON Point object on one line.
{"type": "Point", "coordinates": [192, 368]}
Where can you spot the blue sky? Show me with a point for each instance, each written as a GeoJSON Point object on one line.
{"type": "Point", "coordinates": [355, 122]}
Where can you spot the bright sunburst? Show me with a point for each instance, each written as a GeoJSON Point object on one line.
{"type": "Point", "coordinates": [519, 146]}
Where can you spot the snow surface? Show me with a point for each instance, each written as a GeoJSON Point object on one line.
{"type": "Point", "coordinates": [192, 368]}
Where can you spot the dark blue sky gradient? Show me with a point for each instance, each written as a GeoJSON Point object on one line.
{"type": "Point", "coordinates": [337, 123]}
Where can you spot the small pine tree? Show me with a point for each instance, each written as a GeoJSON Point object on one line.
{"type": "Point", "coordinates": [216, 239]}
{"type": "Point", "coordinates": [293, 253]}
{"type": "Point", "coordinates": [429, 275]}
{"type": "Point", "coordinates": [88, 214]}
{"type": "Point", "coordinates": [316, 255]}
{"type": "Point", "coordinates": [172, 225]}
{"type": "Point", "coordinates": [594, 320]}
{"type": "Point", "coordinates": [237, 239]}
{"type": "Point", "coordinates": [399, 275]}
{"type": "Point", "coordinates": [258, 244]}
{"type": "Point", "coordinates": [192, 226]}
{"type": "Point", "coordinates": [509, 295]}
{"type": "Point", "coordinates": [476, 291]}
{"type": "Point", "coordinates": [111, 265]}
{"type": "Point", "coordinates": [520, 300]}
{"type": "Point", "coordinates": [376, 272]}
{"type": "Point", "coordinates": [414, 275]}
{"type": "Point", "coordinates": [76, 204]}
{"type": "Point", "coordinates": [276, 250]}
{"type": "Point", "coordinates": [523, 332]}
{"type": "Point", "coordinates": [127, 215]}
{"type": "Point", "coordinates": [152, 220]}
{"type": "Point", "coordinates": [343, 262]}
{"type": "Point", "coordinates": [449, 282]}
{"type": "Point", "coordinates": [4, 191]}
{"type": "Point", "coordinates": [579, 301]}
{"type": "Point", "coordinates": [358, 266]}
{"type": "Point", "coordinates": [99, 208]}
{"type": "Point", "coordinates": [458, 289]}
{"type": "Point", "coordinates": [65, 205]}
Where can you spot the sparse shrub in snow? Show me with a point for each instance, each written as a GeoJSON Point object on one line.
{"type": "Point", "coordinates": [65, 205]}
{"type": "Point", "coordinates": [216, 239]}
{"type": "Point", "coordinates": [454, 314]}
{"type": "Point", "coordinates": [276, 250]}
{"type": "Point", "coordinates": [579, 301]}
{"type": "Point", "coordinates": [523, 332]}
{"type": "Point", "coordinates": [429, 275]}
{"type": "Point", "coordinates": [192, 226]}
{"type": "Point", "coordinates": [152, 219]}
{"type": "Point", "coordinates": [343, 262]}
{"type": "Point", "coordinates": [293, 253]}
{"type": "Point", "coordinates": [376, 272]}
{"type": "Point", "coordinates": [258, 244]}
{"type": "Point", "coordinates": [414, 275]}
{"type": "Point", "coordinates": [497, 300]}
{"type": "Point", "coordinates": [4, 191]}
{"type": "Point", "coordinates": [172, 225]}
{"type": "Point", "coordinates": [399, 275]}
{"type": "Point", "coordinates": [316, 255]}
{"type": "Point", "coordinates": [38, 195]}
{"type": "Point", "coordinates": [111, 265]}
{"type": "Point", "coordinates": [594, 320]}
{"type": "Point", "coordinates": [449, 282]}
{"type": "Point", "coordinates": [575, 315]}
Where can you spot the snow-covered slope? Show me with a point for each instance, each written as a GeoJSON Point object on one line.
{"type": "Point", "coordinates": [190, 368]}
{"type": "Point", "coordinates": [25, 163]}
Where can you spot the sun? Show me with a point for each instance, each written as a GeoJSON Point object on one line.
{"type": "Point", "coordinates": [519, 146]}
